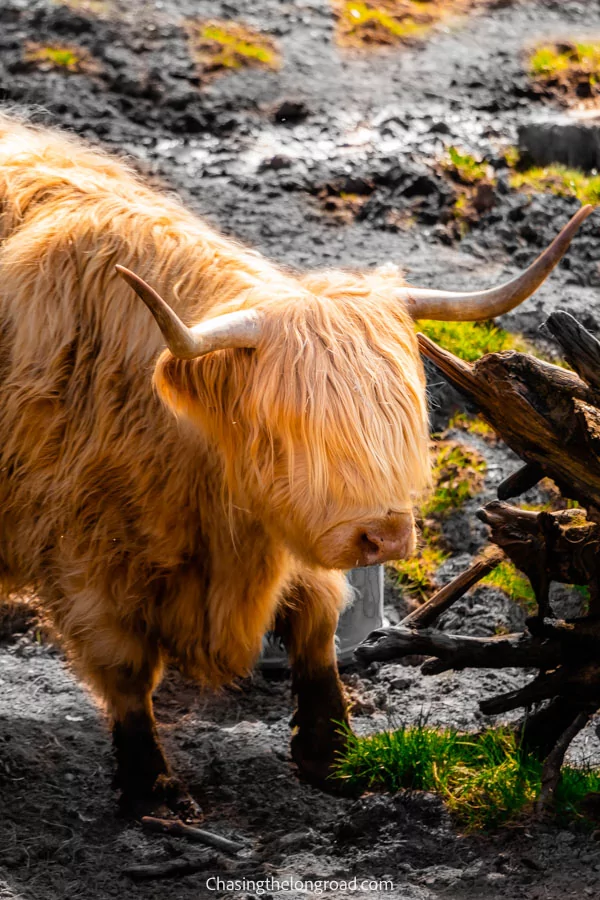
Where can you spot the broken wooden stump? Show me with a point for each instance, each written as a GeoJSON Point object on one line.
{"type": "Point", "coordinates": [550, 417]}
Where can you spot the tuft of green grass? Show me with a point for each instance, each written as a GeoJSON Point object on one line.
{"type": "Point", "coordinates": [550, 61]}
{"type": "Point", "coordinates": [559, 180]}
{"type": "Point", "coordinates": [512, 157]}
{"type": "Point", "coordinates": [473, 425]}
{"type": "Point", "coordinates": [485, 779]}
{"type": "Point", "coordinates": [370, 23]}
{"type": "Point", "coordinates": [223, 45]}
{"type": "Point", "coordinates": [471, 340]}
{"type": "Point", "coordinates": [416, 575]}
{"type": "Point", "coordinates": [64, 57]}
{"type": "Point", "coordinates": [517, 586]}
{"type": "Point", "coordinates": [458, 473]}
{"type": "Point", "coordinates": [466, 168]}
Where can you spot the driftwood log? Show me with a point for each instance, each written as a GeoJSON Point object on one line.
{"type": "Point", "coordinates": [550, 417]}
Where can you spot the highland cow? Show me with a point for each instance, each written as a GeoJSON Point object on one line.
{"type": "Point", "coordinates": [172, 505]}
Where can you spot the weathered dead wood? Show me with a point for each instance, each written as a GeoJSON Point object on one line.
{"type": "Point", "coordinates": [520, 481]}
{"type": "Point", "coordinates": [567, 541]}
{"type": "Point", "coordinates": [177, 828]}
{"type": "Point", "coordinates": [543, 728]}
{"type": "Point", "coordinates": [555, 759]}
{"type": "Point", "coordinates": [443, 599]}
{"type": "Point", "coordinates": [580, 684]}
{"type": "Point", "coordinates": [457, 651]}
{"type": "Point", "coordinates": [551, 418]}
{"type": "Point", "coordinates": [533, 407]}
{"type": "Point", "coordinates": [580, 348]}
{"type": "Point", "coordinates": [172, 868]}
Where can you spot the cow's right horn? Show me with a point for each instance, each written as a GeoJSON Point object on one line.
{"type": "Point", "coordinates": [423, 303]}
{"type": "Point", "coordinates": [238, 329]}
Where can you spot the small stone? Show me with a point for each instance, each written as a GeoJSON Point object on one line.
{"type": "Point", "coordinates": [291, 111]}
{"type": "Point", "coordinates": [275, 163]}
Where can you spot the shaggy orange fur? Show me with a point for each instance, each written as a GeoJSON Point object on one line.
{"type": "Point", "coordinates": [150, 538]}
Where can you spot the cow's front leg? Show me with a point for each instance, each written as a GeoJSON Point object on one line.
{"type": "Point", "coordinates": [143, 775]}
{"type": "Point", "coordinates": [306, 623]}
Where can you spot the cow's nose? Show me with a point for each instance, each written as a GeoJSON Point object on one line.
{"type": "Point", "coordinates": [379, 548]}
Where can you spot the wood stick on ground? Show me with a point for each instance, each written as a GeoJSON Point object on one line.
{"type": "Point", "coordinates": [555, 759]}
{"type": "Point", "coordinates": [443, 599]}
{"type": "Point", "coordinates": [177, 828]}
{"type": "Point", "coordinates": [172, 868]}
{"type": "Point", "coordinates": [457, 651]}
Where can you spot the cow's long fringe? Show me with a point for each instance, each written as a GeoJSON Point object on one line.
{"type": "Point", "coordinates": [126, 520]}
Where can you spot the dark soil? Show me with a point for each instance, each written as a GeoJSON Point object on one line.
{"type": "Point", "coordinates": [260, 153]}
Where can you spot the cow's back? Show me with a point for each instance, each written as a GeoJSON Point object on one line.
{"type": "Point", "coordinates": [84, 442]}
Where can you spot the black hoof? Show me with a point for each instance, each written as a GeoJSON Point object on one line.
{"type": "Point", "coordinates": [167, 798]}
{"type": "Point", "coordinates": [316, 761]}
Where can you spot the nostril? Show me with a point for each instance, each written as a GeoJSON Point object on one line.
{"type": "Point", "coordinates": [371, 543]}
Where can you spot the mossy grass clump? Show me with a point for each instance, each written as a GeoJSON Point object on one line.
{"type": "Point", "coordinates": [559, 180]}
{"type": "Point", "coordinates": [458, 473]}
{"type": "Point", "coordinates": [473, 184]}
{"type": "Point", "coordinates": [462, 421]}
{"type": "Point", "coordinates": [380, 22]}
{"type": "Point", "coordinates": [568, 69]}
{"type": "Point", "coordinates": [220, 46]}
{"type": "Point", "coordinates": [416, 575]}
{"type": "Point", "coordinates": [507, 578]}
{"type": "Point", "coordinates": [371, 23]}
{"type": "Point", "coordinates": [60, 57]}
{"type": "Point", "coordinates": [465, 167]}
{"type": "Point", "coordinates": [472, 340]}
{"type": "Point", "coordinates": [486, 780]}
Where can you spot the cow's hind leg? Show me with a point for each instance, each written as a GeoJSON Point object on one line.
{"type": "Point", "coordinates": [306, 623]}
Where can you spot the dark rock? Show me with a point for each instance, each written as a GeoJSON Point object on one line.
{"type": "Point", "coordinates": [289, 112]}
{"type": "Point", "coordinates": [275, 163]}
{"type": "Point", "coordinates": [575, 145]}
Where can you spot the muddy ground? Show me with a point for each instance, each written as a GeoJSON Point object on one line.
{"type": "Point", "coordinates": [373, 124]}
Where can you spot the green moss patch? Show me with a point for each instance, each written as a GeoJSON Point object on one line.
{"type": "Point", "coordinates": [416, 575]}
{"type": "Point", "coordinates": [458, 473]}
{"type": "Point", "coordinates": [559, 180]}
{"type": "Point", "coordinates": [472, 340]}
{"type": "Point", "coordinates": [473, 183]}
{"type": "Point", "coordinates": [60, 57]}
{"type": "Point", "coordinates": [221, 46]}
{"type": "Point", "coordinates": [514, 584]}
{"type": "Point", "coordinates": [366, 24]}
{"type": "Point", "coordinates": [465, 167]}
{"type": "Point", "coordinates": [486, 780]}
{"type": "Point", "coordinates": [462, 421]}
{"type": "Point", "coordinates": [361, 24]}
{"type": "Point", "coordinates": [567, 70]}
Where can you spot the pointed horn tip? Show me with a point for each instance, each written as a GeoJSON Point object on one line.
{"type": "Point", "coordinates": [127, 275]}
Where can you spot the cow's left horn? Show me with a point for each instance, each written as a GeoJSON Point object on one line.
{"type": "Point", "coordinates": [453, 306]}
{"type": "Point", "coordinates": [237, 329]}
